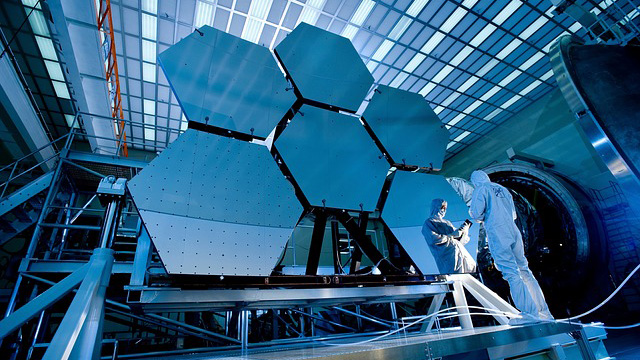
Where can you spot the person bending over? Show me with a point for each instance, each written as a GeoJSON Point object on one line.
{"type": "Point", "coordinates": [492, 204]}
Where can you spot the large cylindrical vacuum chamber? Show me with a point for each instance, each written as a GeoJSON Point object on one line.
{"type": "Point", "coordinates": [563, 235]}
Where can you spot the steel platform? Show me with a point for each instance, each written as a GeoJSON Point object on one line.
{"type": "Point", "coordinates": [538, 341]}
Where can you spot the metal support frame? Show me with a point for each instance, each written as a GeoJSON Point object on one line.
{"type": "Point", "coordinates": [485, 296]}
{"type": "Point", "coordinates": [79, 336]}
{"type": "Point", "coordinates": [84, 319]}
{"type": "Point", "coordinates": [362, 317]}
{"type": "Point", "coordinates": [43, 301]}
{"type": "Point", "coordinates": [243, 330]}
{"type": "Point", "coordinates": [335, 247]}
{"type": "Point", "coordinates": [356, 256]}
{"type": "Point", "coordinates": [367, 247]}
{"type": "Point", "coordinates": [317, 238]}
{"type": "Point", "coordinates": [141, 259]}
{"type": "Point", "coordinates": [583, 344]}
{"type": "Point", "coordinates": [436, 304]}
{"type": "Point", "coordinates": [460, 300]}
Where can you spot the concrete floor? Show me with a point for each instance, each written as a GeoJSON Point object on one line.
{"type": "Point", "coordinates": [623, 344]}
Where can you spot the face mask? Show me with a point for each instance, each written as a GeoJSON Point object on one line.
{"type": "Point", "coordinates": [442, 212]}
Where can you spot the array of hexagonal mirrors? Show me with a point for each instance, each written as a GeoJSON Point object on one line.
{"type": "Point", "coordinates": [216, 205]}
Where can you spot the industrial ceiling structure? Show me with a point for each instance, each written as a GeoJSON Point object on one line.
{"type": "Point", "coordinates": [476, 62]}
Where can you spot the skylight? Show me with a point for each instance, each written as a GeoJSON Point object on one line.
{"type": "Point", "coordinates": [204, 14]}
{"type": "Point", "coordinates": [349, 31]}
{"type": "Point", "coordinates": [311, 11]}
{"type": "Point", "coordinates": [149, 131]}
{"type": "Point", "coordinates": [38, 23]}
{"type": "Point", "coordinates": [150, 6]}
{"type": "Point", "coordinates": [435, 39]}
{"type": "Point", "coordinates": [362, 12]}
{"type": "Point", "coordinates": [149, 26]}
{"type": "Point", "coordinates": [61, 89]}
{"type": "Point", "coordinates": [511, 101]}
{"type": "Point", "coordinates": [400, 27]}
{"type": "Point", "coordinates": [507, 12]}
{"type": "Point", "coordinates": [482, 35]}
{"type": "Point", "coordinates": [383, 50]}
{"type": "Point", "coordinates": [535, 26]}
{"type": "Point", "coordinates": [414, 62]}
{"type": "Point", "coordinates": [54, 70]}
{"type": "Point", "coordinates": [148, 51]}
{"type": "Point", "coordinates": [400, 78]}
{"type": "Point", "coordinates": [149, 72]}
{"type": "Point", "coordinates": [530, 88]}
{"type": "Point", "coordinates": [46, 48]}
{"type": "Point", "coordinates": [252, 29]}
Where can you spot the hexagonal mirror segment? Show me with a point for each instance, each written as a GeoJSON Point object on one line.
{"type": "Point", "coordinates": [333, 159]}
{"type": "Point", "coordinates": [216, 206]}
{"type": "Point", "coordinates": [227, 82]}
{"type": "Point", "coordinates": [324, 67]}
{"type": "Point", "coordinates": [407, 127]}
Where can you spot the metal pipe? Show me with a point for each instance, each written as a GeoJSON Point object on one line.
{"type": "Point", "coordinates": [83, 209]}
{"type": "Point", "coordinates": [361, 316]}
{"type": "Point", "coordinates": [323, 319]}
{"type": "Point", "coordinates": [161, 324]}
{"type": "Point", "coordinates": [252, 346]}
{"type": "Point", "coordinates": [70, 226]}
{"type": "Point", "coordinates": [35, 336]}
{"type": "Point", "coordinates": [160, 318]}
{"type": "Point", "coordinates": [109, 224]}
{"type": "Point", "coordinates": [67, 221]}
{"type": "Point", "coordinates": [244, 330]}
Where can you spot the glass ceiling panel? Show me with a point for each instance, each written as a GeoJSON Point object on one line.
{"type": "Point", "coordinates": [471, 59]}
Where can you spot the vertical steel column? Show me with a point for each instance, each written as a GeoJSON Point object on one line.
{"type": "Point", "coordinates": [436, 304]}
{"type": "Point", "coordinates": [583, 343]}
{"type": "Point", "coordinates": [244, 330]}
{"type": "Point", "coordinates": [67, 221]}
{"type": "Point", "coordinates": [394, 314]}
{"type": "Point", "coordinates": [79, 335]}
{"type": "Point", "coordinates": [335, 247]}
{"type": "Point", "coordinates": [313, 323]}
{"type": "Point", "coordinates": [356, 256]}
{"type": "Point", "coordinates": [109, 224]}
{"type": "Point", "coordinates": [461, 303]}
{"type": "Point", "coordinates": [317, 238]}
{"type": "Point", "coordinates": [141, 259]}
{"type": "Point", "coordinates": [368, 248]}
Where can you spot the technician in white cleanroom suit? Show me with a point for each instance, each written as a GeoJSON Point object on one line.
{"type": "Point", "coordinates": [446, 242]}
{"type": "Point", "coordinates": [493, 204]}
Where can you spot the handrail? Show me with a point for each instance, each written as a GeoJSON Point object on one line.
{"type": "Point", "coordinates": [35, 151]}
{"type": "Point", "coordinates": [14, 166]}
{"type": "Point", "coordinates": [69, 138]}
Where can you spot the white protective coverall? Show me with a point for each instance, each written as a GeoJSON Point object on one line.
{"type": "Point", "coordinates": [446, 242]}
{"type": "Point", "coordinates": [463, 188]}
{"type": "Point", "coordinates": [493, 204]}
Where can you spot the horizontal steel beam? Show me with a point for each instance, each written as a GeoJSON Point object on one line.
{"type": "Point", "coordinates": [173, 299]}
{"type": "Point", "coordinates": [105, 159]}
{"type": "Point", "coordinates": [68, 266]}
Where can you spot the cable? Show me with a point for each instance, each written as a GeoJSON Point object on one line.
{"type": "Point", "coordinates": [605, 300]}
{"type": "Point", "coordinates": [418, 321]}
{"type": "Point", "coordinates": [493, 312]}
